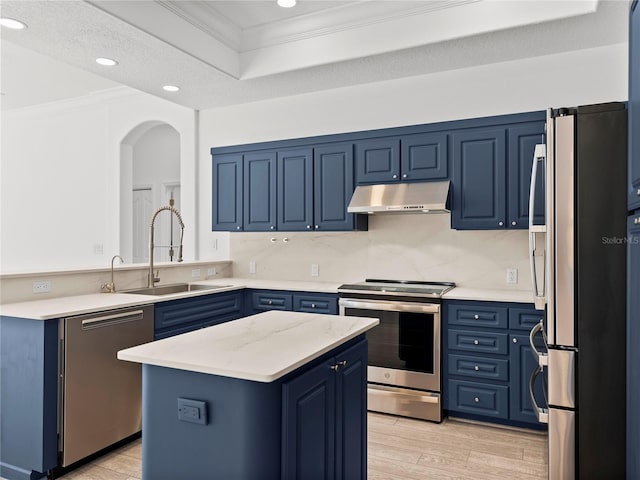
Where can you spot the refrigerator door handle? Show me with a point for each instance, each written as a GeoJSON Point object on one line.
{"type": "Point", "coordinates": [541, 358]}
{"type": "Point", "coordinates": [541, 413]}
{"type": "Point", "coordinates": [538, 296]}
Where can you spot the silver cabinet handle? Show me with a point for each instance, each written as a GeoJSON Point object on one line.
{"type": "Point", "coordinates": [476, 368]}
{"type": "Point", "coordinates": [270, 302]}
{"type": "Point", "coordinates": [476, 316]}
{"type": "Point", "coordinates": [514, 340]}
{"type": "Point", "coordinates": [638, 192]}
{"type": "Point", "coordinates": [636, 221]}
{"type": "Point", "coordinates": [238, 227]}
{"type": "Point", "coordinates": [317, 227]}
{"type": "Point", "coordinates": [514, 223]}
{"type": "Point", "coordinates": [272, 227]}
{"type": "Point", "coordinates": [476, 399]}
{"type": "Point", "coordinates": [309, 226]}
{"type": "Point", "coordinates": [405, 175]}
{"type": "Point", "coordinates": [394, 176]}
{"type": "Point", "coordinates": [476, 342]}
{"type": "Point", "coordinates": [501, 223]}
{"type": "Point", "coordinates": [339, 365]}
{"type": "Point", "coordinates": [313, 305]}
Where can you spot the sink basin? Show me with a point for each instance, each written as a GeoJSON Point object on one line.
{"type": "Point", "coordinates": [173, 288]}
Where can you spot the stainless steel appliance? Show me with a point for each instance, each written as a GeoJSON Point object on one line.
{"type": "Point", "coordinates": [404, 349]}
{"type": "Point", "coordinates": [583, 290]}
{"type": "Point", "coordinates": [421, 197]}
{"type": "Point", "coordinates": [100, 396]}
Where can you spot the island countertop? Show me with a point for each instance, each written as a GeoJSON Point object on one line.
{"type": "Point", "coordinates": [262, 347]}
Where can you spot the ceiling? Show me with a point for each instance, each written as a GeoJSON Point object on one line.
{"type": "Point", "coordinates": [227, 52]}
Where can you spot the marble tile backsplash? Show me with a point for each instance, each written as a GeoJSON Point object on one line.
{"type": "Point", "coordinates": [414, 247]}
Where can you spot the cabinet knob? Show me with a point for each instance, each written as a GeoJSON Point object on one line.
{"type": "Point", "coordinates": [476, 399]}
{"type": "Point", "coordinates": [270, 302]}
{"type": "Point", "coordinates": [339, 365]}
{"type": "Point", "coordinates": [514, 340]}
{"type": "Point", "coordinates": [238, 227]}
{"type": "Point", "coordinates": [476, 368]}
{"type": "Point", "coordinates": [476, 316]}
{"type": "Point", "coordinates": [309, 226]}
{"type": "Point", "coordinates": [394, 176]}
{"type": "Point", "coordinates": [514, 223]}
{"type": "Point", "coordinates": [501, 223]}
{"type": "Point", "coordinates": [476, 342]}
{"type": "Point", "coordinates": [272, 227]}
{"type": "Point", "coordinates": [405, 175]}
{"type": "Point", "coordinates": [638, 192]}
{"type": "Point", "coordinates": [313, 305]}
{"type": "Point", "coordinates": [636, 221]}
{"type": "Point", "coordinates": [317, 227]}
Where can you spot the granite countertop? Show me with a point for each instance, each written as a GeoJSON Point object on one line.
{"type": "Point", "coordinates": [262, 347]}
{"type": "Point", "coordinates": [80, 304]}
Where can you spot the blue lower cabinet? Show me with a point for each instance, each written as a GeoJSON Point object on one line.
{"type": "Point", "coordinates": [28, 397]}
{"type": "Point", "coordinates": [310, 302]}
{"type": "Point", "coordinates": [184, 315]}
{"type": "Point", "coordinates": [479, 398]}
{"type": "Point", "coordinates": [310, 424]}
{"type": "Point", "coordinates": [324, 419]}
{"type": "Point", "coordinates": [488, 361]}
{"type": "Point", "coordinates": [316, 303]}
{"type": "Point", "coordinates": [263, 300]}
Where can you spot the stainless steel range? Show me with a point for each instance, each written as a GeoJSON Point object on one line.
{"type": "Point", "coordinates": [404, 349]}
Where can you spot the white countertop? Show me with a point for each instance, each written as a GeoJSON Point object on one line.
{"type": "Point", "coordinates": [262, 347]}
{"type": "Point", "coordinates": [81, 304]}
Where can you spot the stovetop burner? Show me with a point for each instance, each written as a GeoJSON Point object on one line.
{"type": "Point", "coordinates": [398, 287]}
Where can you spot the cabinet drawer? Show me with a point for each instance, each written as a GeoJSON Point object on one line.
{"type": "Point", "coordinates": [479, 367]}
{"type": "Point", "coordinates": [479, 342]}
{"type": "Point", "coordinates": [266, 300]}
{"type": "Point", "coordinates": [524, 318]}
{"type": "Point", "coordinates": [327, 304]}
{"type": "Point", "coordinates": [479, 398]}
{"type": "Point", "coordinates": [477, 316]}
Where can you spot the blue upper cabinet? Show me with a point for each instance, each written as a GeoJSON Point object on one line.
{"type": "Point", "coordinates": [333, 186]}
{"type": "Point", "coordinates": [295, 189]}
{"type": "Point", "coordinates": [424, 157]}
{"type": "Point", "coordinates": [417, 157]}
{"type": "Point", "coordinates": [634, 106]}
{"type": "Point", "coordinates": [522, 143]}
{"type": "Point", "coordinates": [227, 192]}
{"type": "Point", "coordinates": [259, 191]}
{"type": "Point", "coordinates": [479, 171]}
{"type": "Point", "coordinates": [378, 160]}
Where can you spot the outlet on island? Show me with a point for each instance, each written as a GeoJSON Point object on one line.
{"type": "Point", "coordinates": [42, 286]}
{"type": "Point", "coordinates": [512, 276]}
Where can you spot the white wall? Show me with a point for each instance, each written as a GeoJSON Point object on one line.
{"type": "Point", "coordinates": [60, 177]}
{"type": "Point", "coordinates": [574, 78]}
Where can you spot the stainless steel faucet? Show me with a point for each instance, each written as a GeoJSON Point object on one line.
{"type": "Point", "coordinates": [111, 287]}
{"type": "Point", "coordinates": [153, 278]}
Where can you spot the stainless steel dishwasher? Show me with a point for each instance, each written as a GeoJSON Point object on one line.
{"type": "Point", "coordinates": [100, 396]}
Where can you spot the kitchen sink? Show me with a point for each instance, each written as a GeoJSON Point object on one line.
{"type": "Point", "coordinates": [173, 288]}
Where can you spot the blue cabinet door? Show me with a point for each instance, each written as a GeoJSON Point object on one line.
{"type": "Point", "coordinates": [634, 106]}
{"type": "Point", "coordinates": [522, 143]}
{"type": "Point", "coordinates": [227, 192]}
{"type": "Point", "coordinates": [309, 422]}
{"type": "Point", "coordinates": [333, 187]}
{"type": "Point", "coordinates": [424, 156]}
{"type": "Point", "coordinates": [479, 179]}
{"type": "Point", "coordinates": [351, 414]}
{"type": "Point", "coordinates": [633, 340]}
{"type": "Point", "coordinates": [521, 365]}
{"type": "Point", "coordinates": [295, 190]}
{"type": "Point", "coordinates": [378, 160]}
{"type": "Point", "coordinates": [259, 191]}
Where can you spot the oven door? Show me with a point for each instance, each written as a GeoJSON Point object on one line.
{"type": "Point", "coordinates": [404, 349]}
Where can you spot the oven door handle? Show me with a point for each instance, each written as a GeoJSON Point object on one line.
{"type": "Point", "coordinates": [390, 306]}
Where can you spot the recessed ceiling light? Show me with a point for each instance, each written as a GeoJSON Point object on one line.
{"type": "Point", "coordinates": [287, 3]}
{"type": "Point", "coordinates": [107, 62]}
{"type": "Point", "coordinates": [171, 88]}
{"type": "Point", "coordinates": [12, 23]}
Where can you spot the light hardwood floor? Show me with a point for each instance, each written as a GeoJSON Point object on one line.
{"type": "Point", "coordinates": [400, 449]}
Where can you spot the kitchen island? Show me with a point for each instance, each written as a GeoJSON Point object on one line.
{"type": "Point", "coordinates": [273, 395]}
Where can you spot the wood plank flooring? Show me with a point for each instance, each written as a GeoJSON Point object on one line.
{"type": "Point", "coordinates": [400, 449]}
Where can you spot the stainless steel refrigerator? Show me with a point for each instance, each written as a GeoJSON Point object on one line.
{"type": "Point", "coordinates": [578, 267]}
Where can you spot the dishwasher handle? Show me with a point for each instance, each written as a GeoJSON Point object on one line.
{"type": "Point", "coordinates": [112, 319]}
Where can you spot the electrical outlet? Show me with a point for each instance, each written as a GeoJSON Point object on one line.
{"type": "Point", "coordinates": [194, 411]}
{"type": "Point", "coordinates": [315, 270]}
{"type": "Point", "coordinates": [214, 244]}
{"type": "Point", "coordinates": [212, 272]}
{"type": "Point", "coordinates": [42, 286]}
{"type": "Point", "coordinates": [252, 267]}
{"type": "Point", "coordinates": [512, 276]}
{"type": "Point", "coordinates": [195, 273]}
{"type": "Point", "coordinates": [98, 249]}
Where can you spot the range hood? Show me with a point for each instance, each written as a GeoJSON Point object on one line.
{"type": "Point", "coordinates": [425, 197]}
